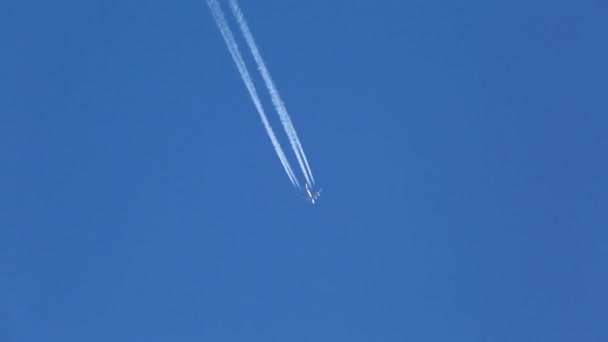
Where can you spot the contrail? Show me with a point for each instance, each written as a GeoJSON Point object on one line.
{"type": "Point", "coordinates": [274, 94]}
{"type": "Point", "coordinates": [233, 48]}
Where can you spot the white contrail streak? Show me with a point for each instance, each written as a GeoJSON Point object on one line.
{"type": "Point", "coordinates": [233, 48]}
{"type": "Point", "coordinates": [274, 94]}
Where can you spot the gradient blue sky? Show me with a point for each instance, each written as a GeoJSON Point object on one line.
{"type": "Point", "coordinates": [461, 146]}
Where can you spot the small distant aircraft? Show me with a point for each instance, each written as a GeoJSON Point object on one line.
{"type": "Point", "coordinates": [312, 197]}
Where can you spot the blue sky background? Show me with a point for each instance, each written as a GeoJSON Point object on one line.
{"type": "Point", "coordinates": [461, 146]}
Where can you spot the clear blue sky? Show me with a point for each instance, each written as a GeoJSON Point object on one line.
{"type": "Point", "coordinates": [461, 146]}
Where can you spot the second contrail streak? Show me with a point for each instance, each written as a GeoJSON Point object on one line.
{"type": "Point", "coordinates": [220, 20]}
{"type": "Point", "coordinates": [274, 94]}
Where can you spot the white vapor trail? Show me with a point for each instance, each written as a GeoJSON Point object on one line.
{"type": "Point", "coordinates": [274, 94]}
{"type": "Point", "coordinates": [233, 48]}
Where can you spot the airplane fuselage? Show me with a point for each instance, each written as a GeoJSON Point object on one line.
{"type": "Point", "coordinates": [312, 197]}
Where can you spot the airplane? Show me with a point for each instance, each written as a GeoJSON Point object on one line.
{"type": "Point", "coordinates": [312, 197]}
